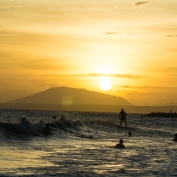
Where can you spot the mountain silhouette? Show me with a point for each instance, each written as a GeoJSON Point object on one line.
{"type": "Point", "coordinates": [71, 96]}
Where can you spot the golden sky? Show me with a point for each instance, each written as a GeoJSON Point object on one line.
{"type": "Point", "coordinates": [75, 43]}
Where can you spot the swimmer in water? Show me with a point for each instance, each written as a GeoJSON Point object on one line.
{"type": "Point", "coordinates": [120, 145]}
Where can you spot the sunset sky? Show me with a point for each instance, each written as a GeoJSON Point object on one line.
{"type": "Point", "coordinates": [75, 43]}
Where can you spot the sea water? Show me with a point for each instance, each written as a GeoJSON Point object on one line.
{"type": "Point", "coordinates": [83, 144]}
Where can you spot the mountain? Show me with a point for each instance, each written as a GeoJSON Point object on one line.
{"type": "Point", "coordinates": [71, 96]}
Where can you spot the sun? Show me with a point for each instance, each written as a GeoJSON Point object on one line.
{"type": "Point", "coordinates": [105, 83]}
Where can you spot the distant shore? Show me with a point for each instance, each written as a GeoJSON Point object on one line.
{"type": "Point", "coordinates": [88, 108]}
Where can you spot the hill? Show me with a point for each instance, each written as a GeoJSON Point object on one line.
{"type": "Point", "coordinates": [71, 96]}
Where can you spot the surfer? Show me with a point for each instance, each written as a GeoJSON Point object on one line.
{"type": "Point", "coordinates": [123, 116]}
{"type": "Point", "coordinates": [120, 145]}
{"type": "Point", "coordinates": [47, 130]}
{"type": "Point", "coordinates": [54, 117]}
{"type": "Point", "coordinates": [175, 139]}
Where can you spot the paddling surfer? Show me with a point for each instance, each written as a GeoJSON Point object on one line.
{"type": "Point", "coordinates": [123, 116]}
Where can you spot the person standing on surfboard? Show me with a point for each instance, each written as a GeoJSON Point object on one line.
{"type": "Point", "coordinates": [123, 116]}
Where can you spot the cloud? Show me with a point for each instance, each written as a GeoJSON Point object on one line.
{"type": "Point", "coordinates": [42, 64]}
{"type": "Point", "coordinates": [129, 76]}
{"type": "Point", "coordinates": [146, 87]}
{"type": "Point", "coordinates": [8, 7]}
{"type": "Point", "coordinates": [171, 35]}
{"type": "Point", "coordinates": [111, 8]}
{"type": "Point", "coordinates": [3, 34]}
{"type": "Point", "coordinates": [111, 33]}
{"type": "Point", "coordinates": [170, 69]}
{"type": "Point", "coordinates": [125, 34]}
{"type": "Point", "coordinates": [113, 75]}
{"type": "Point", "coordinates": [141, 3]}
{"type": "Point", "coordinates": [14, 61]}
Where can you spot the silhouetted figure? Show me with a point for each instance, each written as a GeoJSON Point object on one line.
{"type": "Point", "coordinates": [120, 145]}
{"type": "Point", "coordinates": [123, 116]}
{"type": "Point", "coordinates": [54, 117]}
{"type": "Point", "coordinates": [46, 130]}
{"type": "Point", "coordinates": [175, 139]}
{"type": "Point", "coordinates": [130, 133]}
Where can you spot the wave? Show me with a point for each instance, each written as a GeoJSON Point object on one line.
{"type": "Point", "coordinates": [81, 125]}
{"type": "Point", "coordinates": [39, 128]}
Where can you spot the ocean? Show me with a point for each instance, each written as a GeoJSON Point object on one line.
{"type": "Point", "coordinates": [83, 144]}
